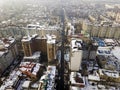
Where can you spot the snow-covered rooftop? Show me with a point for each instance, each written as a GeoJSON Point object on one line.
{"type": "Point", "coordinates": [94, 77]}
{"type": "Point", "coordinates": [116, 52]}
{"type": "Point", "coordinates": [36, 55]}
{"type": "Point", "coordinates": [109, 73]}
{"type": "Point", "coordinates": [104, 51]}
{"type": "Point", "coordinates": [6, 42]}
{"type": "Point", "coordinates": [51, 39]}
{"type": "Point", "coordinates": [25, 39]}
{"type": "Point", "coordinates": [28, 38]}
{"type": "Point", "coordinates": [1, 53]}
{"type": "Point", "coordinates": [75, 44]}
{"type": "Point", "coordinates": [109, 40]}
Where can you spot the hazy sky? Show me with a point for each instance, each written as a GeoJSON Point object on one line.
{"type": "Point", "coordinates": [18, 1]}
{"type": "Point", "coordinates": [1, 1]}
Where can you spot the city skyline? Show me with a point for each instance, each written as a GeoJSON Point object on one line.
{"type": "Point", "coordinates": [60, 44]}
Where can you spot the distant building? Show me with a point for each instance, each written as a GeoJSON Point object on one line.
{"type": "Point", "coordinates": [103, 30]}
{"type": "Point", "coordinates": [42, 30]}
{"type": "Point", "coordinates": [118, 17]}
{"type": "Point", "coordinates": [92, 18]}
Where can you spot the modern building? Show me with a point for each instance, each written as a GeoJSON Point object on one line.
{"type": "Point", "coordinates": [28, 45]}
{"type": "Point", "coordinates": [51, 48]}
{"type": "Point", "coordinates": [8, 52]}
{"type": "Point", "coordinates": [45, 45]}
{"type": "Point", "coordinates": [76, 54]}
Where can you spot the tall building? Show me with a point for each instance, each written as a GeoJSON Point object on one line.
{"type": "Point", "coordinates": [28, 45]}
{"type": "Point", "coordinates": [117, 33]}
{"type": "Point", "coordinates": [76, 54]}
{"type": "Point", "coordinates": [45, 45]}
{"type": "Point", "coordinates": [8, 52]}
{"type": "Point", "coordinates": [102, 31]}
{"type": "Point", "coordinates": [41, 44]}
{"type": "Point", "coordinates": [31, 48]}
{"type": "Point", "coordinates": [51, 48]}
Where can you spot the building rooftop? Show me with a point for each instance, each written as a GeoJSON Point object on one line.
{"type": "Point", "coordinates": [116, 52]}
{"type": "Point", "coordinates": [104, 51]}
{"type": "Point", "coordinates": [77, 80]}
{"type": "Point", "coordinates": [5, 44]}
{"type": "Point", "coordinates": [109, 73]}
{"type": "Point", "coordinates": [76, 54]}
{"type": "Point", "coordinates": [26, 84]}
{"type": "Point", "coordinates": [28, 38]}
{"type": "Point", "coordinates": [49, 77]}
{"type": "Point", "coordinates": [35, 55]}
{"type": "Point", "coordinates": [76, 44]}
{"type": "Point", "coordinates": [94, 77]}
{"type": "Point", "coordinates": [100, 42]}
{"type": "Point", "coordinates": [51, 39]}
{"type": "Point", "coordinates": [109, 40]}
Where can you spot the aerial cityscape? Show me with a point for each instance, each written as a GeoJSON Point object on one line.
{"type": "Point", "coordinates": [59, 44]}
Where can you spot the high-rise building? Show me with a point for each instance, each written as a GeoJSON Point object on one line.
{"type": "Point", "coordinates": [51, 48]}
{"type": "Point", "coordinates": [28, 45]}
{"type": "Point", "coordinates": [8, 52]}
{"type": "Point", "coordinates": [35, 43]}
{"type": "Point", "coordinates": [41, 44]}
{"type": "Point", "coordinates": [76, 54]}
